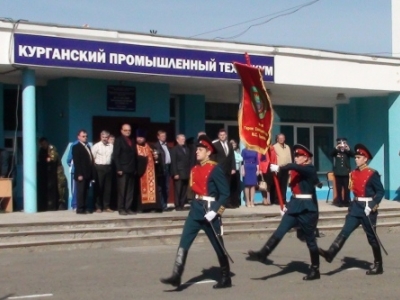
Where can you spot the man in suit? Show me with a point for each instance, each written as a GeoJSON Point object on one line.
{"type": "Point", "coordinates": [83, 174]}
{"type": "Point", "coordinates": [125, 157]}
{"type": "Point", "coordinates": [341, 170]}
{"type": "Point", "coordinates": [162, 149]}
{"type": "Point", "coordinates": [225, 157]}
{"type": "Point", "coordinates": [180, 169]}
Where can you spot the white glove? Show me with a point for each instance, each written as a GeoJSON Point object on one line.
{"type": "Point", "coordinates": [283, 211]}
{"type": "Point", "coordinates": [210, 215]}
{"type": "Point", "coordinates": [274, 168]}
{"type": "Point", "coordinates": [367, 210]}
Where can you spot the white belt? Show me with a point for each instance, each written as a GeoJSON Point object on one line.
{"type": "Point", "coordinates": [206, 198]}
{"type": "Point", "coordinates": [363, 199]}
{"type": "Point", "coordinates": [302, 196]}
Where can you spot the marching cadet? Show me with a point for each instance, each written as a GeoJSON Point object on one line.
{"type": "Point", "coordinates": [211, 191]}
{"type": "Point", "coordinates": [368, 193]}
{"type": "Point", "coordinates": [301, 211]}
{"type": "Point", "coordinates": [341, 170]}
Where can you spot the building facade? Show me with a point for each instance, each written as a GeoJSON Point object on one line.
{"type": "Point", "coordinates": [55, 80]}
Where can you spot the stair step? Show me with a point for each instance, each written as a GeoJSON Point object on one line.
{"type": "Point", "coordinates": [158, 239]}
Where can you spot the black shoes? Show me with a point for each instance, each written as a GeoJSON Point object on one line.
{"type": "Point", "coordinates": [225, 281]}
{"type": "Point", "coordinates": [377, 269]}
{"type": "Point", "coordinates": [313, 274]}
{"type": "Point", "coordinates": [122, 213]}
{"type": "Point", "coordinates": [266, 250]}
{"type": "Point", "coordinates": [179, 266]}
{"type": "Point", "coordinates": [330, 254]}
{"type": "Point", "coordinates": [130, 212]}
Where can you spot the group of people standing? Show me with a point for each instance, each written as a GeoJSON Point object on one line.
{"type": "Point", "coordinates": [254, 167]}
{"type": "Point", "coordinates": [142, 171]}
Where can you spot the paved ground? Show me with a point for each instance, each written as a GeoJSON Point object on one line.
{"type": "Point", "coordinates": [133, 273]}
{"type": "Point", "coordinates": [65, 216]}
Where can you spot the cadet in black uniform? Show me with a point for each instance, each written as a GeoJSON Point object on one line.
{"type": "Point", "coordinates": [211, 191]}
{"type": "Point", "coordinates": [301, 211]}
{"type": "Point", "coordinates": [341, 170]}
{"type": "Point", "coordinates": [368, 193]}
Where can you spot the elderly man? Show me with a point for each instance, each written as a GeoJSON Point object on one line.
{"type": "Point", "coordinates": [102, 155]}
{"type": "Point", "coordinates": [150, 198]}
{"type": "Point", "coordinates": [125, 157]}
{"type": "Point", "coordinates": [284, 157]}
{"type": "Point", "coordinates": [180, 169]}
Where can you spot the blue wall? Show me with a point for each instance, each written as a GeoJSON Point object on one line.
{"type": "Point", "coordinates": [191, 114]}
{"type": "Point", "coordinates": [69, 104]}
{"type": "Point", "coordinates": [88, 98]}
{"type": "Point", "coordinates": [373, 121]}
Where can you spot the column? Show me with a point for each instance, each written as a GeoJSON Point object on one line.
{"type": "Point", "coordinates": [392, 149]}
{"type": "Point", "coordinates": [29, 141]}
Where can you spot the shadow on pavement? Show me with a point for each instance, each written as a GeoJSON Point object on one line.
{"type": "Point", "coordinates": [213, 273]}
{"type": "Point", "coordinates": [294, 266]}
{"type": "Point", "coordinates": [6, 297]}
{"type": "Point", "coordinates": [347, 263]}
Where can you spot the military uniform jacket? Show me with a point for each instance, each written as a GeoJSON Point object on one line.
{"type": "Point", "coordinates": [341, 166]}
{"type": "Point", "coordinates": [303, 179]}
{"type": "Point", "coordinates": [365, 182]}
{"type": "Point", "coordinates": [208, 179]}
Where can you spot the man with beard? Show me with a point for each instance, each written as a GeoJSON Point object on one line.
{"type": "Point", "coordinates": [149, 197]}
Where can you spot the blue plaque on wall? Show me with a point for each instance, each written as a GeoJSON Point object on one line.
{"type": "Point", "coordinates": [121, 98]}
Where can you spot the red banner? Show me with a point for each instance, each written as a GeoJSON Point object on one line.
{"type": "Point", "coordinates": [255, 112]}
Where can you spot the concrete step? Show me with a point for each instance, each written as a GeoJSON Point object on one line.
{"type": "Point", "coordinates": [159, 234]}
{"type": "Point", "coordinates": [164, 239]}
{"type": "Point", "coordinates": [114, 221]}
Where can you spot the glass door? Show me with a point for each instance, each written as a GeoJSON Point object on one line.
{"type": "Point", "coordinates": [303, 136]}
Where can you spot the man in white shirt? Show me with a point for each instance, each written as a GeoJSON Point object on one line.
{"type": "Point", "coordinates": [102, 154]}
{"type": "Point", "coordinates": [284, 156]}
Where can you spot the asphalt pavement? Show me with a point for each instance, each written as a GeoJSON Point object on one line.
{"type": "Point", "coordinates": [134, 272]}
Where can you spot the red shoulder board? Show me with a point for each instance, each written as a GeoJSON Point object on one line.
{"type": "Point", "coordinates": [359, 179]}
{"type": "Point", "coordinates": [199, 177]}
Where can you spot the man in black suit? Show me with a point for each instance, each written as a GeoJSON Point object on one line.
{"type": "Point", "coordinates": [225, 157]}
{"type": "Point", "coordinates": [125, 158]}
{"type": "Point", "coordinates": [84, 171]}
{"type": "Point", "coordinates": [180, 169]}
{"type": "Point", "coordinates": [165, 164]}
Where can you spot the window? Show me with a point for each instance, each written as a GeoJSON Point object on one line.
{"type": "Point", "coordinates": [12, 115]}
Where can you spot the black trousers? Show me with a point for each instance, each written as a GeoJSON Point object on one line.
{"type": "Point", "coordinates": [103, 186]}
{"type": "Point", "coordinates": [180, 187]}
{"type": "Point", "coordinates": [235, 189]}
{"type": "Point", "coordinates": [81, 187]}
{"type": "Point", "coordinates": [342, 183]}
{"type": "Point", "coordinates": [126, 187]}
{"type": "Point", "coordinates": [163, 185]}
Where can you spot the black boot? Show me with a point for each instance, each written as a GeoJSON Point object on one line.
{"type": "Point", "coordinates": [330, 254]}
{"type": "Point", "coordinates": [264, 251]}
{"type": "Point", "coordinates": [179, 266]}
{"type": "Point", "coordinates": [225, 281]}
{"type": "Point", "coordinates": [314, 268]}
{"type": "Point", "coordinates": [377, 268]}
